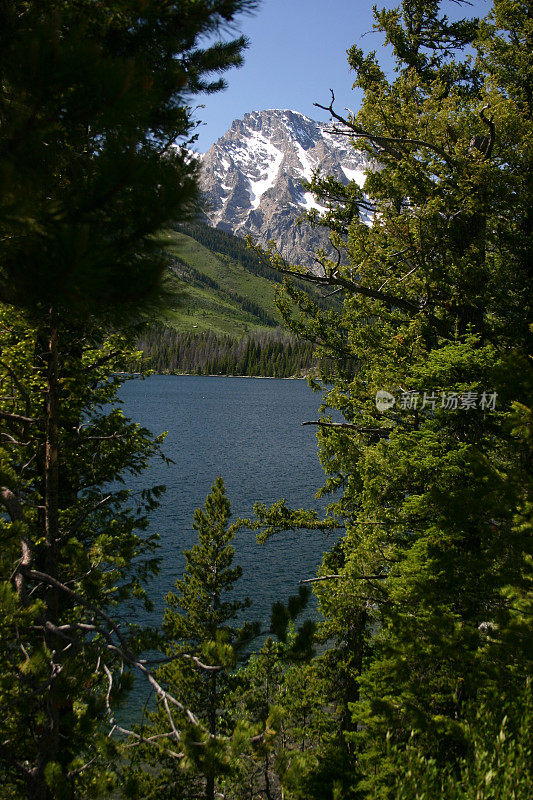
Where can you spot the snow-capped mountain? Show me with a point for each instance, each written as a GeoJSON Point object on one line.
{"type": "Point", "coordinates": [252, 177]}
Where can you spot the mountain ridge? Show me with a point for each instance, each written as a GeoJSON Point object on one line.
{"type": "Point", "coordinates": [251, 178]}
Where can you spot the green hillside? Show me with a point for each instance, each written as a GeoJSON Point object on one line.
{"type": "Point", "coordinates": [223, 319]}
{"type": "Point", "coordinates": [221, 287]}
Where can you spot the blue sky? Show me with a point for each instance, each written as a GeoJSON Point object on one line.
{"type": "Point", "coordinates": [297, 53]}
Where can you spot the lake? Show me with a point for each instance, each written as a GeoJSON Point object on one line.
{"type": "Point", "coordinates": [249, 431]}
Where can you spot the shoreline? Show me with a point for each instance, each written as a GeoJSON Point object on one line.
{"type": "Point", "coordinates": [218, 375]}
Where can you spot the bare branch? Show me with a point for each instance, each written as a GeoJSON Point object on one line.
{"type": "Point", "coordinates": [379, 577]}
{"type": "Point", "coordinates": [145, 740]}
{"type": "Point", "coordinates": [14, 508]}
{"type": "Point", "coordinates": [17, 418]}
{"type": "Point", "coordinates": [382, 432]}
{"type": "Point", "coordinates": [384, 142]}
{"type": "Point", "coordinates": [322, 578]}
{"type": "Point", "coordinates": [122, 650]}
{"type": "Point", "coordinates": [12, 440]}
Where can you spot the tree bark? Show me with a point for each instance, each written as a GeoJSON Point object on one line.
{"type": "Point", "coordinates": [51, 467]}
{"type": "Point", "coordinates": [48, 745]}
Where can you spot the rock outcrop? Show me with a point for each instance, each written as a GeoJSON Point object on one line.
{"type": "Point", "coordinates": [252, 177]}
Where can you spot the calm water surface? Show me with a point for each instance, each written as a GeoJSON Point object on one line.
{"type": "Point", "coordinates": [249, 431]}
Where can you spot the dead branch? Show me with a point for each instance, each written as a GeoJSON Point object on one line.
{"type": "Point", "coordinates": [144, 739]}
{"type": "Point", "coordinates": [14, 508]}
{"type": "Point", "coordinates": [385, 143]}
{"type": "Point", "coordinates": [379, 577]}
{"type": "Point", "coordinates": [18, 418]}
{"type": "Point", "coordinates": [12, 440]}
{"type": "Point", "coordinates": [381, 432]}
{"type": "Point", "coordinates": [123, 650]}
{"type": "Point", "coordinates": [322, 578]}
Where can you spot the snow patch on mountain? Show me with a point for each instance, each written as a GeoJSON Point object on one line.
{"type": "Point", "coordinates": [252, 177]}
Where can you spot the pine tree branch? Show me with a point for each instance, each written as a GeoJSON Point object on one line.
{"type": "Point", "coordinates": [333, 279]}
{"type": "Point", "coordinates": [384, 142]}
{"type": "Point", "coordinates": [88, 513]}
{"type": "Point", "coordinates": [17, 382]}
{"type": "Point", "coordinates": [101, 361]}
{"type": "Point", "coordinates": [56, 670]}
{"type": "Point", "coordinates": [123, 649]}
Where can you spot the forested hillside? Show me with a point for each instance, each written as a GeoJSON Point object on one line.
{"type": "Point", "coordinates": [225, 319]}
{"type": "Point", "coordinates": [216, 292]}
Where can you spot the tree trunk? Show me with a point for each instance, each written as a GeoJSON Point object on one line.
{"type": "Point", "coordinates": [48, 744]}
{"type": "Point", "coordinates": [210, 777]}
{"type": "Point", "coordinates": [51, 465]}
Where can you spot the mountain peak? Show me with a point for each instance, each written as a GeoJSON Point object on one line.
{"type": "Point", "coordinates": [252, 177]}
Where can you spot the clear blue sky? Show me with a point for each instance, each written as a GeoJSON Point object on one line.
{"type": "Point", "coordinates": [297, 53]}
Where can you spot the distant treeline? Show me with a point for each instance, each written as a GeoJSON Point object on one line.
{"type": "Point", "coordinates": [272, 354]}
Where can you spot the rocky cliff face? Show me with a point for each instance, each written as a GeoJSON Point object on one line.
{"type": "Point", "coordinates": [252, 178]}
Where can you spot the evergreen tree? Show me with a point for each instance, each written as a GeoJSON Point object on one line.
{"type": "Point", "coordinates": [95, 119]}
{"type": "Point", "coordinates": [202, 644]}
{"type": "Point", "coordinates": [435, 481]}
{"type": "Point", "coordinates": [497, 767]}
{"type": "Point", "coordinates": [64, 654]}
{"type": "Point", "coordinates": [95, 108]}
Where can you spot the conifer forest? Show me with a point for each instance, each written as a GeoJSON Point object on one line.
{"type": "Point", "coordinates": [413, 680]}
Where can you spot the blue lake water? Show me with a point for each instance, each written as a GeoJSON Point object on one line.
{"type": "Point", "coordinates": [249, 431]}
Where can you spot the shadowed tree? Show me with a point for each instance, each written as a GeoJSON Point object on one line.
{"type": "Point", "coordinates": [94, 123]}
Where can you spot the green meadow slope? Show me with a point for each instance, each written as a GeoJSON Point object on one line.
{"type": "Point", "coordinates": [220, 285]}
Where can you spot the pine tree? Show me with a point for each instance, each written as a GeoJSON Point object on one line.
{"type": "Point", "coordinates": [202, 645]}
{"type": "Point", "coordinates": [435, 483]}
{"type": "Point", "coordinates": [96, 119]}
{"type": "Point", "coordinates": [64, 655]}
{"type": "Point", "coordinates": [95, 112]}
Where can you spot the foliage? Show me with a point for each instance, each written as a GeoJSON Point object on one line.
{"type": "Point", "coordinates": [433, 487]}
{"type": "Point", "coordinates": [59, 596]}
{"type": "Point", "coordinates": [498, 765]}
{"type": "Point", "coordinates": [94, 123]}
{"type": "Point", "coordinates": [275, 355]}
{"type": "Point", "coordinates": [202, 644]}
{"type": "Point", "coordinates": [93, 99]}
